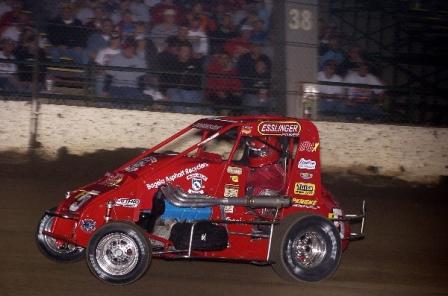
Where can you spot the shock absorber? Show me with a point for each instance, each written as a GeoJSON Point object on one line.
{"type": "Point", "coordinates": [109, 206]}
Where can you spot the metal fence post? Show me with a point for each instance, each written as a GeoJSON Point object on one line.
{"type": "Point", "coordinates": [35, 104]}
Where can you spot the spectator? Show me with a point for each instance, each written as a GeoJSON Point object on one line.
{"type": "Point", "coordinates": [239, 13]}
{"type": "Point", "coordinates": [225, 31]}
{"type": "Point", "coordinates": [247, 65]}
{"type": "Point", "coordinates": [206, 24]}
{"type": "Point", "coordinates": [223, 84]}
{"type": "Point", "coordinates": [219, 11]}
{"type": "Point", "coordinates": [329, 102]}
{"type": "Point", "coordinates": [165, 64]}
{"type": "Point", "coordinates": [127, 25]}
{"type": "Point", "coordinates": [165, 29]}
{"type": "Point", "coordinates": [103, 58]}
{"type": "Point", "coordinates": [198, 38]}
{"type": "Point", "coordinates": [147, 50]}
{"type": "Point", "coordinates": [182, 33]}
{"type": "Point", "coordinates": [187, 78]}
{"type": "Point", "coordinates": [334, 52]}
{"type": "Point", "coordinates": [5, 6]}
{"type": "Point", "coordinates": [140, 11]}
{"type": "Point", "coordinates": [249, 20]}
{"type": "Point", "coordinates": [140, 31]}
{"type": "Point", "coordinates": [86, 10]}
{"type": "Point", "coordinates": [14, 30]}
{"type": "Point", "coordinates": [11, 16]}
{"type": "Point", "coordinates": [151, 3]}
{"type": "Point", "coordinates": [8, 69]}
{"type": "Point", "coordinates": [125, 84]}
{"type": "Point", "coordinates": [264, 14]}
{"type": "Point", "coordinates": [100, 39]}
{"type": "Point", "coordinates": [99, 14]}
{"type": "Point", "coordinates": [326, 31]}
{"type": "Point", "coordinates": [25, 53]}
{"type": "Point", "coordinates": [258, 92]}
{"type": "Point", "coordinates": [361, 100]}
{"type": "Point", "coordinates": [118, 9]}
{"type": "Point", "coordinates": [68, 37]}
{"type": "Point", "coordinates": [239, 46]}
{"type": "Point", "coordinates": [259, 35]}
{"type": "Point", "coordinates": [104, 55]}
{"type": "Point", "coordinates": [352, 62]}
{"type": "Point", "coordinates": [158, 12]}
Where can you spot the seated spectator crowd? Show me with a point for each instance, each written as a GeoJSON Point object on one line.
{"type": "Point", "coordinates": [200, 54]}
{"type": "Point", "coordinates": [360, 94]}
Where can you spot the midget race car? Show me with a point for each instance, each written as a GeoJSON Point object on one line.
{"type": "Point", "coordinates": [228, 188]}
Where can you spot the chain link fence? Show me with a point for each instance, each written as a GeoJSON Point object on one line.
{"type": "Point", "coordinates": [205, 57]}
{"type": "Point", "coordinates": [181, 56]}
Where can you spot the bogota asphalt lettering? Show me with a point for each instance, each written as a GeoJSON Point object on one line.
{"type": "Point", "coordinates": [177, 175]}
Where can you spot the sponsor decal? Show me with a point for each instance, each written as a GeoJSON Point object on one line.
{"type": "Point", "coordinates": [304, 188]}
{"type": "Point", "coordinates": [308, 146]}
{"type": "Point", "coordinates": [234, 179]}
{"type": "Point", "coordinates": [234, 170]}
{"type": "Point", "coordinates": [279, 128]}
{"type": "Point", "coordinates": [197, 181]}
{"type": "Point", "coordinates": [177, 175]}
{"type": "Point", "coordinates": [307, 164]}
{"type": "Point", "coordinates": [127, 202]}
{"type": "Point", "coordinates": [306, 176]}
{"type": "Point", "coordinates": [112, 180]}
{"type": "Point", "coordinates": [246, 130]}
{"type": "Point", "coordinates": [207, 126]}
{"type": "Point", "coordinates": [82, 198]}
{"type": "Point", "coordinates": [88, 225]}
{"type": "Point", "coordinates": [229, 209]}
{"type": "Point", "coordinates": [141, 163]}
{"type": "Point", "coordinates": [304, 202]}
{"type": "Point", "coordinates": [231, 190]}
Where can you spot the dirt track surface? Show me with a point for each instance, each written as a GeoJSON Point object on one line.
{"type": "Point", "coordinates": [405, 252]}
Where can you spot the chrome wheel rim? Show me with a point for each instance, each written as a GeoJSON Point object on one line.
{"type": "Point", "coordinates": [308, 249]}
{"type": "Point", "coordinates": [117, 254]}
{"type": "Point", "coordinates": [51, 243]}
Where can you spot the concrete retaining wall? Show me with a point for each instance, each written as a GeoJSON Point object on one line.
{"type": "Point", "coordinates": [412, 153]}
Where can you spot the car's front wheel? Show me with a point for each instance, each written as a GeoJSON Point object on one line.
{"type": "Point", "coordinates": [53, 248]}
{"type": "Point", "coordinates": [306, 248]}
{"type": "Point", "coordinates": [118, 253]}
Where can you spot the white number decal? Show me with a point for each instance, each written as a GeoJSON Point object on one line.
{"type": "Point", "coordinates": [300, 19]}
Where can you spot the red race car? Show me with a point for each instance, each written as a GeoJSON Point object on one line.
{"type": "Point", "coordinates": [229, 188]}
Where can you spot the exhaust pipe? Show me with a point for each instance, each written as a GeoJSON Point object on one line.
{"type": "Point", "coordinates": [182, 199]}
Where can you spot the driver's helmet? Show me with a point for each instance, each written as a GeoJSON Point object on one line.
{"type": "Point", "coordinates": [263, 151]}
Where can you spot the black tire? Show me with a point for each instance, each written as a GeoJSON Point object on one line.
{"type": "Point", "coordinates": [119, 253]}
{"type": "Point", "coordinates": [49, 247]}
{"type": "Point", "coordinates": [305, 248]}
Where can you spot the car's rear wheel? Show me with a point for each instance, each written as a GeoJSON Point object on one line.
{"type": "Point", "coordinates": [118, 253]}
{"type": "Point", "coordinates": [53, 248]}
{"type": "Point", "coordinates": [306, 248]}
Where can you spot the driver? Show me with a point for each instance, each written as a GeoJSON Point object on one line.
{"type": "Point", "coordinates": [267, 176]}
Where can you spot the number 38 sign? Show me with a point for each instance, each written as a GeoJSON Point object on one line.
{"type": "Point", "coordinates": [300, 19]}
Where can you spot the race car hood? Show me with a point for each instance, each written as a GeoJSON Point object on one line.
{"type": "Point", "coordinates": [78, 199]}
{"type": "Point", "coordinates": [155, 170]}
